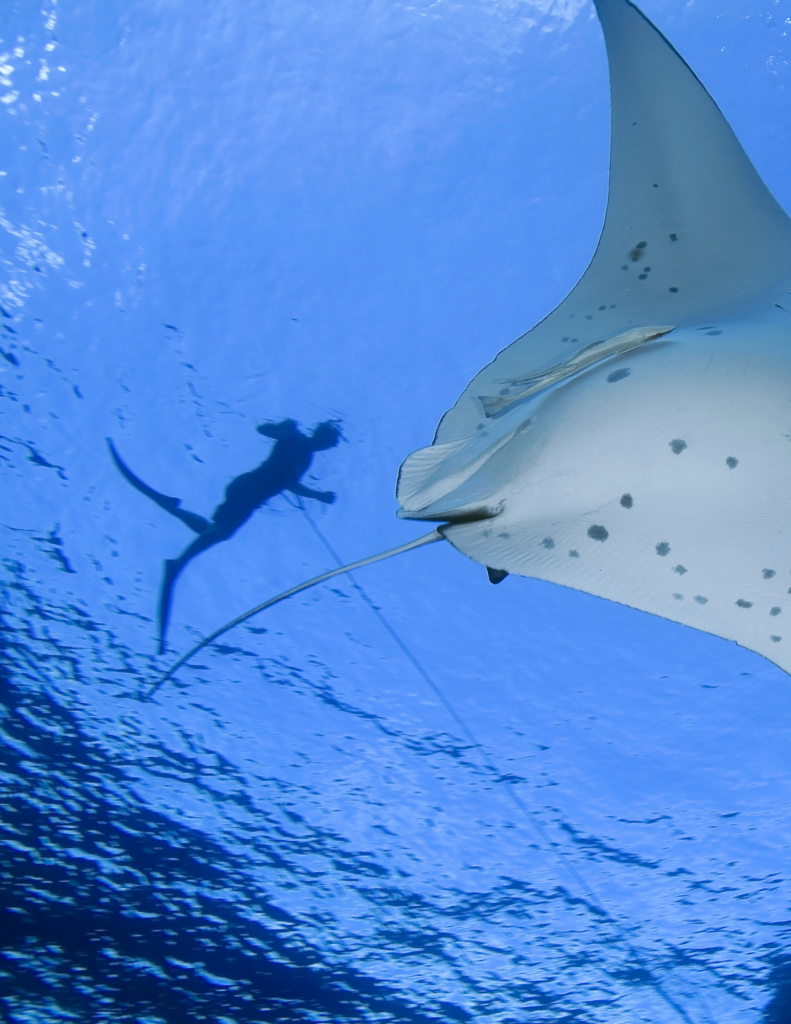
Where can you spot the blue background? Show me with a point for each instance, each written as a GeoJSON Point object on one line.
{"type": "Point", "coordinates": [222, 212]}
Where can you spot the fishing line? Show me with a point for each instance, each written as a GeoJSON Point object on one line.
{"type": "Point", "coordinates": [491, 766]}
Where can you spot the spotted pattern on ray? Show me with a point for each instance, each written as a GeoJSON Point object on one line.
{"type": "Point", "coordinates": [714, 395]}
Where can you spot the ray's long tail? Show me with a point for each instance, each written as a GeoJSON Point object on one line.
{"type": "Point", "coordinates": [428, 538]}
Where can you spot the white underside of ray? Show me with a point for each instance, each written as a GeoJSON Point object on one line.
{"type": "Point", "coordinates": [647, 464]}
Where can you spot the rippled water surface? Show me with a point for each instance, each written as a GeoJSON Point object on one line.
{"type": "Point", "coordinates": [406, 796]}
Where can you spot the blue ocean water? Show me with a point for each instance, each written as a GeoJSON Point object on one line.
{"type": "Point", "coordinates": [407, 796]}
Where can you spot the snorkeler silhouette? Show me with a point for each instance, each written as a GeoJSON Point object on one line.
{"type": "Point", "coordinates": [288, 461]}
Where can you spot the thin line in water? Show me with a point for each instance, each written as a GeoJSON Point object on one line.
{"type": "Point", "coordinates": [491, 765]}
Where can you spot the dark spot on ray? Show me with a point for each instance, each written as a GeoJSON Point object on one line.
{"type": "Point", "coordinates": [647, 270]}
{"type": "Point", "coordinates": [598, 533]}
{"type": "Point", "coordinates": [642, 277]}
{"type": "Point", "coordinates": [741, 603]}
{"type": "Point", "coordinates": [775, 610]}
{"type": "Point", "coordinates": [613, 306]}
{"type": "Point", "coordinates": [602, 307]}
{"type": "Point", "coordinates": [700, 599]}
{"type": "Point", "coordinates": [624, 267]}
{"type": "Point", "coordinates": [775, 639]}
{"type": "Point", "coordinates": [680, 569]}
{"type": "Point", "coordinates": [663, 548]}
{"type": "Point", "coordinates": [677, 446]}
{"type": "Point", "coordinates": [713, 332]}
{"type": "Point", "coordinates": [496, 575]}
{"type": "Point", "coordinates": [674, 237]}
{"type": "Point", "coordinates": [573, 340]}
{"type": "Point", "coordinates": [731, 463]}
{"type": "Point", "coordinates": [672, 289]}
{"type": "Point", "coordinates": [642, 245]}
{"type": "Point", "coordinates": [635, 255]}
{"type": "Point", "coordinates": [548, 543]}
{"type": "Point", "coordinates": [768, 573]}
{"type": "Point", "coordinates": [504, 535]}
{"type": "Point", "coordinates": [627, 500]}
{"type": "Point", "coordinates": [618, 375]}
{"type": "Point", "coordinates": [479, 427]}
{"type": "Point", "coordinates": [655, 185]}
{"type": "Point", "coordinates": [679, 597]}
{"type": "Point", "coordinates": [574, 554]}
{"type": "Point", "coordinates": [588, 317]}
{"type": "Point", "coordinates": [564, 339]}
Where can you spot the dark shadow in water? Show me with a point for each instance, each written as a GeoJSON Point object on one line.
{"type": "Point", "coordinates": [778, 1010]}
{"type": "Point", "coordinates": [288, 462]}
{"type": "Point", "coordinates": [113, 912]}
{"type": "Point", "coordinates": [126, 915]}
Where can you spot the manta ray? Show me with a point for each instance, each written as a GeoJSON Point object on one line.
{"type": "Point", "coordinates": [636, 443]}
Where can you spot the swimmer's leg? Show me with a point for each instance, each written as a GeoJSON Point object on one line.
{"type": "Point", "coordinates": [172, 569]}
{"type": "Point", "coordinates": [191, 519]}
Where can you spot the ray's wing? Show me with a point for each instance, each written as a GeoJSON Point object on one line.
{"type": "Point", "coordinates": [646, 464]}
{"type": "Point", "coordinates": [690, 231]}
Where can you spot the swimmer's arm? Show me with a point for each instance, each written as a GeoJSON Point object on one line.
{"type": "Point", "coordinates": [328, 497]}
